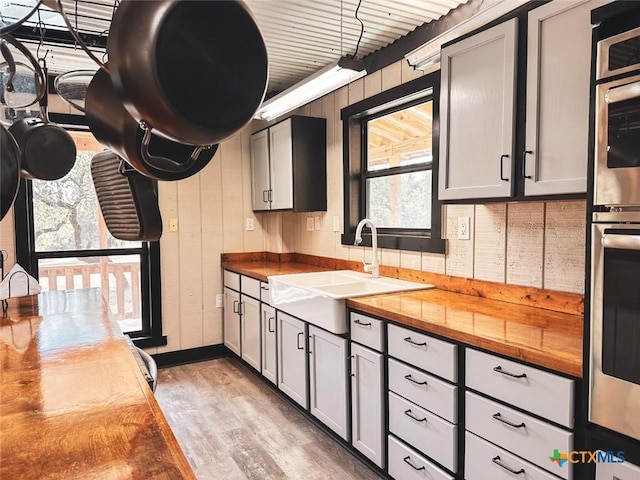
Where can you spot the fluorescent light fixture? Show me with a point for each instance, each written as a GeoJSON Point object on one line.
{"type": "Point", "coordinates": [326, 80]}
{"type": "Point", "coordinates": [429, 54]}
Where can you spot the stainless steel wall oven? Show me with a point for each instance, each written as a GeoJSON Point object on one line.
{"type": "Point", "coordinates": [614, 363]}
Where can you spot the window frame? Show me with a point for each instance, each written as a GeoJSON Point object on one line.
{"type": "Point", "coordinates": [354, 128]}
{"type": "Point", "coordinates": [150, 276]}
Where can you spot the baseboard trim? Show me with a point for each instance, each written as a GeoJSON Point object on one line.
{"type": "Point", "coordinates": [190, 355]}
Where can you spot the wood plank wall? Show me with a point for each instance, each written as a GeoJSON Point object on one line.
{"type": "Point", "coordinates": [531, 244]}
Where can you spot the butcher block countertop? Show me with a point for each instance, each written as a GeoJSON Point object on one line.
{"type": "Point", "coordinates": [539, 336]}
{"type": "Point", "coordinates": [74, 403]}
{"type": "Point", "coordinates": [535, 335]}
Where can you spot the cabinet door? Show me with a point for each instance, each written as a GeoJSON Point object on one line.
{"type": "Point", "coordinates": [281, 155]}
{"type": "Point", "coordinates": [232, 320]}
{"type": "Point", "coordinates": [477, 104]}
{"type": "Point", "coordinates": [367, 404]}
{"type": "Point", "coordinates": [269, 341]}
{"type": "Point", "coordinates": [292, 358]}
{"type": "Point", "coordinates": [250, 333]}
{"type": "Point", "coordinates": [558, 79]}
{"type": "Point", "coordinates": [260, 185]}
{"type": "Point", "coordinates": [328, 379]}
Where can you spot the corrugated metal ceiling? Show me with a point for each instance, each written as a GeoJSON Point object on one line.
{"type": "Point", "coordinates": [302, 36]}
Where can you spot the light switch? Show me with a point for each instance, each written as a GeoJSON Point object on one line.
{"type": "Point", "coordinates": [316, 223]}
{"type": "Point", "coordinates": [309, 224]}
{"type": "Point", "coordinates": [336, 223]}
{"type": "Point", "coordinates": [249, 224]}
{"type": "Point", "coordinates": [173, 224]}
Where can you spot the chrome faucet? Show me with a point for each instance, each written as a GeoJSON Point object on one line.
{"type": "Point", "coordinates": [374, 266]}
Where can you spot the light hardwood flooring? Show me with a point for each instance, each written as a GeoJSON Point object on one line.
{"type": "Point", "coordinates": [233, 426]}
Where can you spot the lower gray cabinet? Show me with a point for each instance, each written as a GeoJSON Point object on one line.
{"type": "Point", "coordinates": [367, 403]}
{"type": "Point", "coordinates": [269, 343]}
{"type": "Point", "coordinates": [328, 379]}
{"type": "Point", "coordinates": [232, 320]}
{"type": "Point", "coordinates": [250, 332]}
{"type": "Point", "coordinates": [292, 358]}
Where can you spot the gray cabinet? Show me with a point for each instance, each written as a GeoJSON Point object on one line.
{"type": "Point", "coordinates": [250, 330]}
{"type": "Point", "coordinates": [557, 113]}
{"type": "Point", "coordinates": [232, 320]}
{"type": "Point", "coordinates": [481, 147]}
{"type": "Point", "coordinates": [269, 343]}
{"type": "Point", "coordinates": [477, 113]}
{"type": "Point", "coordinates": [328, 380]}
{"type": "Point", "coordinates": [367, 403]}
{"type": "Point", "coordinates": [288, 166]}
{"type": "Point", "coordinates": [292, 358]}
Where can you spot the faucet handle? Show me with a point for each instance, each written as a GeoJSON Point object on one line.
{"type": "Point", "coordinates": [367, 267]}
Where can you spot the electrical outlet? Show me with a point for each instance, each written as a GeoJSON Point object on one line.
{"type": "Point", "coordinates": [219, 300]}
{"type": "Point", "coordinates": [173, 224]}
{"type": "Point", "coordinates": [309, 224]}
{"type": "Point", "coordinates": [249, 224]}
{"type": "Point", "coordinates": [316, 223]}
{"type": "Point", "coordinates": [336, 223]}
{"type": "Point", "coordinates": [463, 228]}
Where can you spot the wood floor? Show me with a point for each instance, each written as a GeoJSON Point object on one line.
{"type": "Point", "coordinates": [233, 426]}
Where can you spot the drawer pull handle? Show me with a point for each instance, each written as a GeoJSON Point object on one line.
{"type": "Point", "coordinates": [498, 417]}
{"type": "Point", "coordinates": [408, 339]}
{"type": "Point", "coordinates": [264, 287]}
{"type": "Point", "coordinates": [362, 323]}
{"type": "Point", "coordinates": [298, 341]}
{"type": "Point", "coordinates": [408, 377]}
{"type": "Point", "coordinates": [508, 374]}
{"type": "Point", "coordinates": [408, 462]}
{"type": "Point", "coordinates": [410, 414]}
{"type": "Point", "coordinates": [497, 461]}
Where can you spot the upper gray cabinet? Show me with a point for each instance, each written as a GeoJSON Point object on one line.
{"type": "Point", "coordinates": [482, 149]}
{"type": "Point", "coordinates": [557, 114]}
{"type": "Point", "coordinates": [288, 166]}
{"type": "Point", "coordinates": [477, 112]}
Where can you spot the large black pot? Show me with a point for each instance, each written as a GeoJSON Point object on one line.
{"type": "Point", "coordinates": [196, 71]}
{"type": "Point", "coordinates": [151, 155]}
{"type": "Point", "coordinates": [9, 170]}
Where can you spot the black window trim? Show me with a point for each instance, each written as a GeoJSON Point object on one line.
{"type": "Point", "coordinates": [354, 118]}
{"type": "Point", "coordinates": [151, 334]}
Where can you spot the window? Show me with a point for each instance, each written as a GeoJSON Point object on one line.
{"type": "Point", "coordinates": [70, 247]}
{"type": "Point", "coordinates": [390, 154]}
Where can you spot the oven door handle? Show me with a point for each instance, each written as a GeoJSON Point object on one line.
{"type": "Point", "coordinates": [622, 93]}
{"type": "Point", "coordinates": [623, 242]}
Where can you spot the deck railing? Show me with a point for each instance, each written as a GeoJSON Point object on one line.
{"type": "Point", "coordinates": [120, 283]}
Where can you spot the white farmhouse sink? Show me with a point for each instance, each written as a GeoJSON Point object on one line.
{"type": "Point", "coordinates": [319, 297]}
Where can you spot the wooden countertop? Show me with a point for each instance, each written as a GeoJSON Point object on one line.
{"type": "Point", "coordinates": [535, 335]}
{"type": "Point", "coordinates": [539, 336]}
{"type": "Point", "coordinates": [74, 403]}
{"type": "Point", "coordinates": [262, 269]}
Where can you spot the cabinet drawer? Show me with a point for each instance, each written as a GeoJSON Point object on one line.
{"type": "Point", "coordinates": [428, 433]}
{"type": "Point", "coordinates": [250, 286]}
{"type": "Point", "coordinates": [424, 390]}
{"type": "Point", "coordinates": [265, 297]}
{"type": "Point", "coordinates": [485, 461]}
{"type": "Point", "coordinates": [423, 351]}
{"type": "Point", "coordinates": [545, 394]}
{"type": "Point", "coordinates": [367, 331]}
{"type": "Point", "coordinates": [232, 280]}
{"type": "Point", "coordinates": [617, 471]}
{"type": "Point", "coordinates": [526, 436]}
{"type": "Point", "coordinates": [406, 464]}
